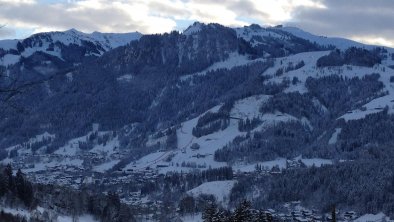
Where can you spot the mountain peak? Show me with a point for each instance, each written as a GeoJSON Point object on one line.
{"type": "Point", "coordinates": [72, 30]}
{"type": "Point", "coordinates": [194, 28]}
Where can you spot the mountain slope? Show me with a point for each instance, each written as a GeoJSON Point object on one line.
{"type": "Point", "coordinates": [211, 103]}
{"type": "Point", "coordinates": [56, 43]}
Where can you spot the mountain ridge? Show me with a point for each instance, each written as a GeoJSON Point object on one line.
{"type": "Point", "coordinates": [249, 106]}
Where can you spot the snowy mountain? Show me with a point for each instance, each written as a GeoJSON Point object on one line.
{"type": "Point", "coordinates": [339, 43]}
{"type": "Point", "coordinates": [211, 114]}
{"type": "Point", "coordinates": [55, 44]}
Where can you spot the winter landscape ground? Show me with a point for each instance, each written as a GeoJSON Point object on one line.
{"type": "Point", "coordinates": [210, 124]}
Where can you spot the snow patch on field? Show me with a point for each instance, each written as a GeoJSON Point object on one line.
{"type": "Point", "coordinates": [108, 149]}
{"type": "Point", "coordinates": [233, 60]}
{"type": "Point", "coordinates": [317, 162]}
{"type": "Point", "coordinates": [16, 212]}
{"type": "Point", "coordinates": [83, 218]}
{"type": "Point", "coordinates": [248, 107]}
{"type": "Point", "coordinates": [9, 59]}
{"type": "Point", "coordinates": [250, 34]}
{"type": "Point", "coordinates": [281, 163]}
{"type": "Point", "coordinates": [125, 78]}
{"type": "Point", "coordinates": [268, 165]}
{"type": "Point", "coordinates": [334, 136]}
{"type": "Point", "coordinates": [348, 71]}
{"type": "Point", "coordinates": [373, 218]}
{"type": "Point", "coordinates": [41, 137]}
{"type": "Point", "coordinates": [374, 106]}
{"type": "Point", "coordinates": [220, 189]}
{"type": "Point", "coordinates": [46, 164]}
{"type": "Point", "coordinates": [270, 119]}
{"type": "Point", "coordinates": [28, 214]}
{"type": "Point", "coordinates": [8, 44]}
{"type": "Point", "coordinates": [105, 166]}
{"type": "Point", "coordinates": [196, 27]}
{"type": "Point", "coordinates": [309, 69]}
{"type": "Point", "coordinates": [340, 43]}
{"type": "Point", "coordinates": [186, 159]}
{"type": "Point", "coordinates": [192, 218]}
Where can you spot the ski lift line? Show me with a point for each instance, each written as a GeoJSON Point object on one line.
{"type": "Point", "coordinates": [161, 157]}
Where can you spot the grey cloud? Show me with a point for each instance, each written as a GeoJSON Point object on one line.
{"type": "Point", "coordinates": [167, 10]}
{"type": "Point", "coordinates": [344, 18]}
{"type": "Point", "coordinates": [6, 32]}
{"type": "Point", "coordinates": [54, 16]}
{"type": "Point", "coordinates": [246, 8]}
{"type": "Point", "coordinates": [348, 18]}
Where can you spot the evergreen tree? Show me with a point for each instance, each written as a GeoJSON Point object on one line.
{"type": "Point", "coordinates": [210, 213]}
{"type": "Point", "coordinates": [243, 213]}
{"type": "Point", "coordinates": [9, 178]}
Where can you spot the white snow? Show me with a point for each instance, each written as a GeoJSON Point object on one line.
{"type": "Point", "coordinates": [147, 161]}
{"type": "Point", "coordinates": [220, 189]}
{"type": "Point", "coordinates": [307, 123]}
{"type": "Point", "coordinates": [8, 44]}
{"type": "Point", "coordinates": [340, 43]}
{"type": "Point", "coordinates": [233, 60]}
{"type": "Point", "coordinates": [83, 218]}
{"type": "Point", "coordinates": [108, 149]}
{"type": "Point", "coordinates": [17, 211]}
{"type": "Point", "coordinates": [71, 148]}
{"type": "Point", "coordinates": [373, 218]}
{"type": "Point", "coordinates": [9, 59]}
{"type": "Point", "coordinates": [28, 214]}
{"type": "Point", "coordinates": [268, 165]}
{"type": "Point", "coordinates": [196, 27]}
{"type": "Point", "coordinates": [47, 163]}
{"type": "Point", "coordinates": [281, 163]}
{"type": "Point", "coordinates": [309, 70]}
{"type": "Point", "coordinates": [317, 162]}
{"type": "Point", "coordinates": [114, 40]}
{"type": "Point", "coordinates": [374, 106]}
{"type": "Point", "coordinates": [107, 41]}
{"type": "Point", "coordinates": [105, 166]}
{"type": "Point", "coordinates": [348, 71]}
{"type": "Point", "coordinates": [186, 159]}
{"type": "Point", "coordinates": [378, 104]}
{"type": "Point", "coordinates": [41, 137]}
{"type": "Point", "coordinates": [184, 154]}
{"type": "Point", "coordinates": [248, 107]}
{"type": "Point", "coordinates": [125, 78]}
{"type": "Point", "coordinates": [270, 119]}
{"type": "Point", "coordinates": [192, 218]}
{"type": "Point", "coordinates": [248, 33]}
{"type": "Point", "coordinates": [70, 76]}
{"type": "Point", "coordinates": [334, 136]}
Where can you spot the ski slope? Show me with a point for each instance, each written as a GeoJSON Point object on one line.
{"type": "Point", "coordinates": [219, 189]}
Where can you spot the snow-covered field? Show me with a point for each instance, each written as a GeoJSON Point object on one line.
{"type": "Point", "coordinates": [203, 158]}
{"type": "Point", "coordinates": [233, 60]}
{"type": "Point", "coordinates": [380, 217]}
{"type": "Point", "coordinates": [280, 162]}
{"type": "Point", "coordinates": [219, 189]}
{"type": "Point", "coordinates": [334, 136]}
{"type": "Point", "coordinates": [83, 218]}
{"type": "Point", "coordinates": [340, 43]}
{"type": "Point", "coordinates": [39, 211]}
{"type": "Point", "coordinates": [349, 71]}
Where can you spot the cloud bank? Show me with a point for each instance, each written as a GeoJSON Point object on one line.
{"type": "Point", "coordinates": [363, 20]}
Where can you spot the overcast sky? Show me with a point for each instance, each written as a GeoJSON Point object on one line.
{"type": "Point", "coordinates": [369, 21]}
